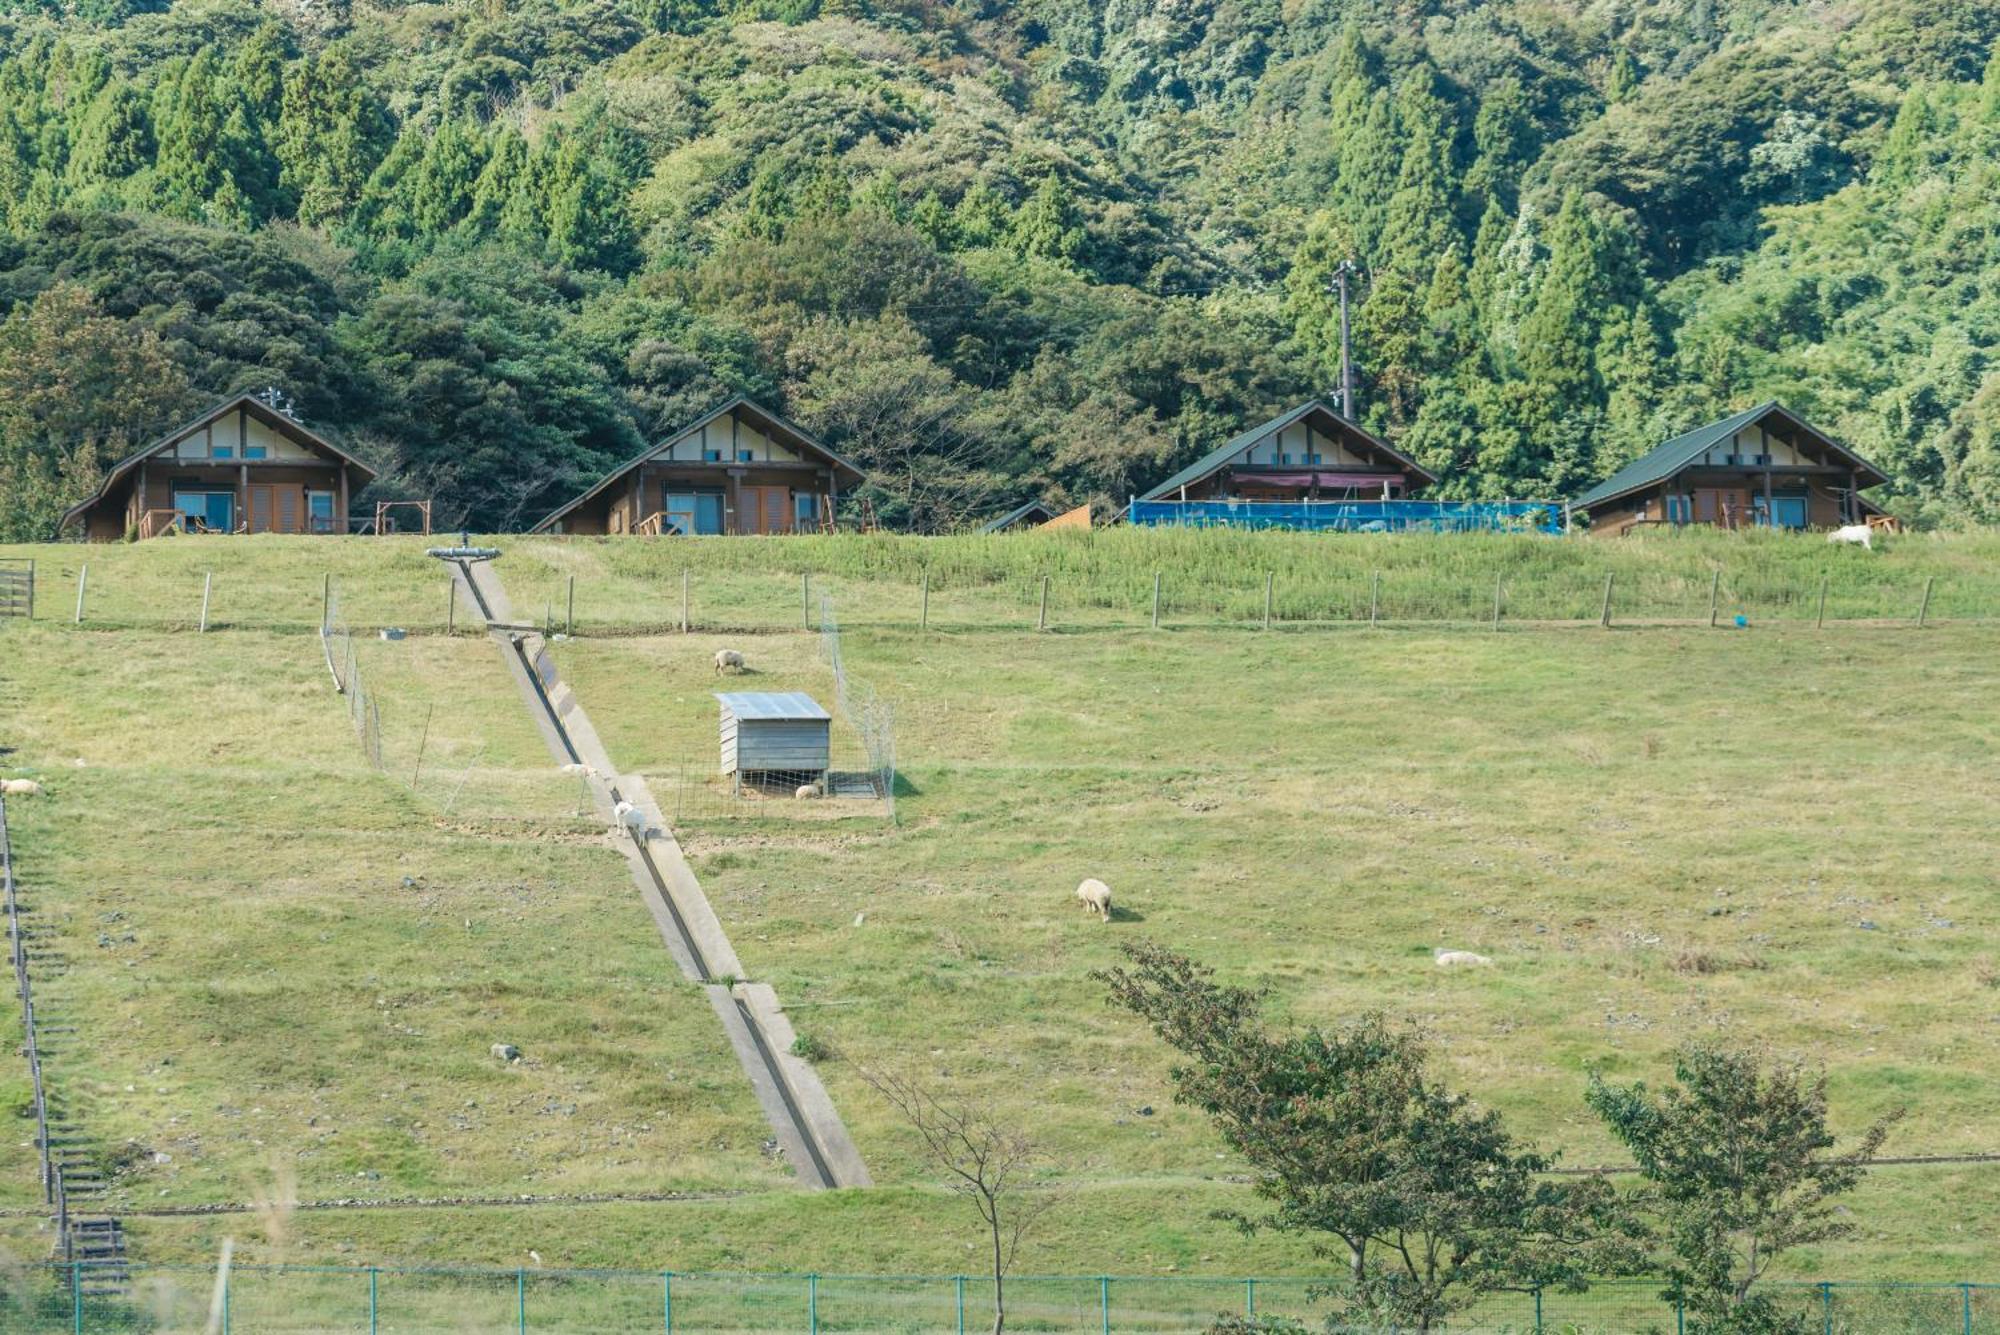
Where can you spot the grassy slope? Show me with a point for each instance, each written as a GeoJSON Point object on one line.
{"type": "Point", "coordinates": [1605, 814]}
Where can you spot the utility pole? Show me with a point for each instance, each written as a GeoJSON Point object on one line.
{"type": "Point", "coordinates": [1340, 276]}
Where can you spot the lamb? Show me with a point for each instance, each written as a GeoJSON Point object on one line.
{"type": "Point", "coordinates": [20, 788]}
{"type": "Point", "coordinates": [728, 660]}
{"type": "Point", "coordinates": [1859, 535]}
{"type": "Point", "coordinates": [1461, 959]}
{"type": "Point", "coordinates": [1095, 895]}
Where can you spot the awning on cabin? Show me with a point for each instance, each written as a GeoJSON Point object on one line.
{"type": "Point", "coordinates": [1323, 479]}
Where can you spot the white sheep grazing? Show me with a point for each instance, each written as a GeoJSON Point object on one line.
{"type": "Point", "coordinates": [1859, 535]}
{"type": "Point", "coordinates": [807, 791]}
{"type": "Point", "coordinates": [728, 660]}
{"type": "Point", "coordinates": [631, 818]}
{"type": "Point", "coordinates": [1095, 895]}
{"type": "Point", "coordinates": [20, 788]}
{"type": "Point", "coordinates": [1461, 959]}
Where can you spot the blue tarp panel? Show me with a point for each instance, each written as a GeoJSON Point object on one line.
{"type": "Point", "coordinates": [1356, 516]}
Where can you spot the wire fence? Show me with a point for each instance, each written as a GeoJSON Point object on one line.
{"type": "Point", "coordinates": [400, 1299]}
{"type": "Point", "coordinates": [1070, 594]}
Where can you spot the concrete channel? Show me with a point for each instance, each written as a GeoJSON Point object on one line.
{"type": "Point", "coordinates": [802, 1115]}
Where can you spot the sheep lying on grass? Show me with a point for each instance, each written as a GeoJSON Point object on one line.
{"type": "Point", "coordinates": [20, 788]}
{"type": "Point", "coordinates": [1095, 895]}
{"type": "Point", "coordinates": [1460, 959]}
{"type": "Point", "coordinates": [728, 660]}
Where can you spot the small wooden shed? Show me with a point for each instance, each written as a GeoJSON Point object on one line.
{"type": "Point", "coordinates": [774, 735]}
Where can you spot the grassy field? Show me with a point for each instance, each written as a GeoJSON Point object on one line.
{"type": "Point", "coordinates": [286, 967]}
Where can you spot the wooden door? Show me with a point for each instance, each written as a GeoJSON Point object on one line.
{"type": "Point", "coordinates": [290, 507]}
{"type": "Point", "coordinates": [764, 510]}
{"type": "Point", "coordinates": [262, 507]}
{"type": "Point", "coordinates": [1726, 507]}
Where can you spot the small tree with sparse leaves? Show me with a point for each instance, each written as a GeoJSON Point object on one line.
{"type": "Point", "coordinates": [1737, 1164]}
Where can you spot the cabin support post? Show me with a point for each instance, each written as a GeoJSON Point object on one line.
{"type": "Point", "coordinates": [1853, 504]}
{"type": "Point", "coordinates": [340, 515]}
{"type": "Point", "coordinates": [1770, 515]}
{"type": "Point", "coordinates": [243, 498]}
{"type": "Point", "coordinates": [732, 522]}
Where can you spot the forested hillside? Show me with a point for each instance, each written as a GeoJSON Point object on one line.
{"type": "Point", "coordinates": [992, 251]}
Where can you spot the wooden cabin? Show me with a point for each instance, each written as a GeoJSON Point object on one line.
{"type": "Point", "coordinates": [782, 737]}
{"type": "Point", "coordinates": [1032, 515]}
{"type": "Point", "coordinates": [1764, 468]}
{"type": "Point", "coordinates": [244, 466]}
{"type": "Point", "coordinates": [739, 469]}
{"type": "Point", "coordinates": [1310, 453]}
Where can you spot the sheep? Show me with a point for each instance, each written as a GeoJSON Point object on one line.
{"type": "Point", "coordinates": [1859, 535]}
{"type": "Point", "coordinates": [1095, 895]}
{"type": "Point", "coordinates": [575, 767]}
{"type": "Point", "coordinates": [807, 791]}
{"type": "Point", "coordinates": [20, 788]}
{"type": "Point", "coordinates": [631, 818]}
{"type": "Point", "coordinates": [1461, 959]}
{"type": "Point", "coordinates": [728, 660]}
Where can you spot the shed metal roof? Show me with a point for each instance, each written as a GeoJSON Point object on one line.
{"type": "Point", "coordinates": [1237, 444]}
{"type": "Point", "coordinates": [1036, 511]}
{"type": "Point", "coordinates": [796, 705]}
{"type": "Point", "coordinates": [1666, 460]}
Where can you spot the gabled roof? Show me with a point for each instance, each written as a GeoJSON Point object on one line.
{"type": "Point", "coordinates": [1236, 444]}
{"type": "Point", "coordinates": [287, 426]}
{"type": "Point", "coordinates": [1033, 511]}
{"type": "Point", "coordinates": [796, 436]}
{"type": "Point", "coordinates": [790, 706]}
{"type": "Point", "coordinates": [1668, 459]}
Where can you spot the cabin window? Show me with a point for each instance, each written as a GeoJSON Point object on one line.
{"type": "Point", "coordinates": [319, 512]}
{"type": "Point", "coordinates": [1312, 458]}
{"type": "Point", "coordinates": [711, 456]}
{"type": "Point", "coordinates": [1284, 458]}
{"type": "Point", "coordinates": [222, 452]}
{"type": "Point", "coordinates": [692, 512]}
{"type": "Point", "coordinates": [1680, 509]}
{"type": "Point", "coordinates": [214, 510]}
{"type": "Point", "coordinates": [253, 452]}
{"type": "Point", "coordinates": [805, 511]}
{"type": "Point", "coordinates": [1783, 511]}
{"type": "Point", "coordinates": [745, 456]}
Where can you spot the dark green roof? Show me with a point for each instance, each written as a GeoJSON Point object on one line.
{"type": "Point", "coordinates": [1242, 441]}
{"type": "Point", "coordinates": [1013, 517]}
{"type": "Point", "coordinates": [1666, 460]}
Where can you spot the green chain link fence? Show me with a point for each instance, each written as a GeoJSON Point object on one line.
{"type": "Point", "coordinates": [297, 1299]}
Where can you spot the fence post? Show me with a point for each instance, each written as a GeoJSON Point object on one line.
{"type": "Point", "coordinates": [1826, 1304]}
{"type": "Point", "coordinates": [1714, 596]}
{"type": "Point", "coordinates": [1374, 595]}
{"type": "Point", "coordinates": [924, 618]}
{"type": "Point", "coordinates": [1042, 617]}
{"type": "Point", "coordinates": [75, 1298]}
{"type": "Point", "coordinates": [374, 1305]}
{"type": "Point", "coordinates": [812, 1303]}
{"type": "Point", "coordinates": [1966, 1290]}
{"type": "Point", "coordinates": [1538, 1312]}
{"type": "Point", "coordinates": [958, 1282]}
{"type": "Point", "coordinates": [1819, 622]}
{"type": "Point", "coordinates": [805, 599]}
{"type": "Point", "coordinates": [521, 1300]}
{"type": "Point", "coordinates": [1924, 608]}
{"type": "Point", "coordinates": [325, 599]}
{"type": "Point", "coordinates": [207, 578]}
{"type": "Point", "coordinates": [1104, 1304]}
{"type": "Point", "coordinates": [1270, 578]}
{"type": "Point", "coordinates": [82, 579]}
{"type": "Point", "coordinates": [667, 1300]}
{"type": "Point", "coordinates": [1250, 1299]}
{"type": "Point", "coordinates": [1604, 616]}
{"type": "Point", "coordinates": [1156, 600]}
{"type": "Point", "coordinates": [569, 616]}
{"type": "Point", "coordinates": [1496, 604]}
{"type": "Point", "coordinates": [1680, 1316]}
{"type": "Point", "coordinates": [684, 600]}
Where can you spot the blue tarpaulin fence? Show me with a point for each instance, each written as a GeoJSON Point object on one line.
{"type": "Point", "coordinates": [1356, 516]}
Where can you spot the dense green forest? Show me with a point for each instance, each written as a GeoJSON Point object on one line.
{"type": "Point", "coordinates": [993, 251]}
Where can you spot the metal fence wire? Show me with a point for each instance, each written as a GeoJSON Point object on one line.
{"type": "Point", "coordinates": [377, 1299]}
{"type": "Point", "coordinates": [857, 705]}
